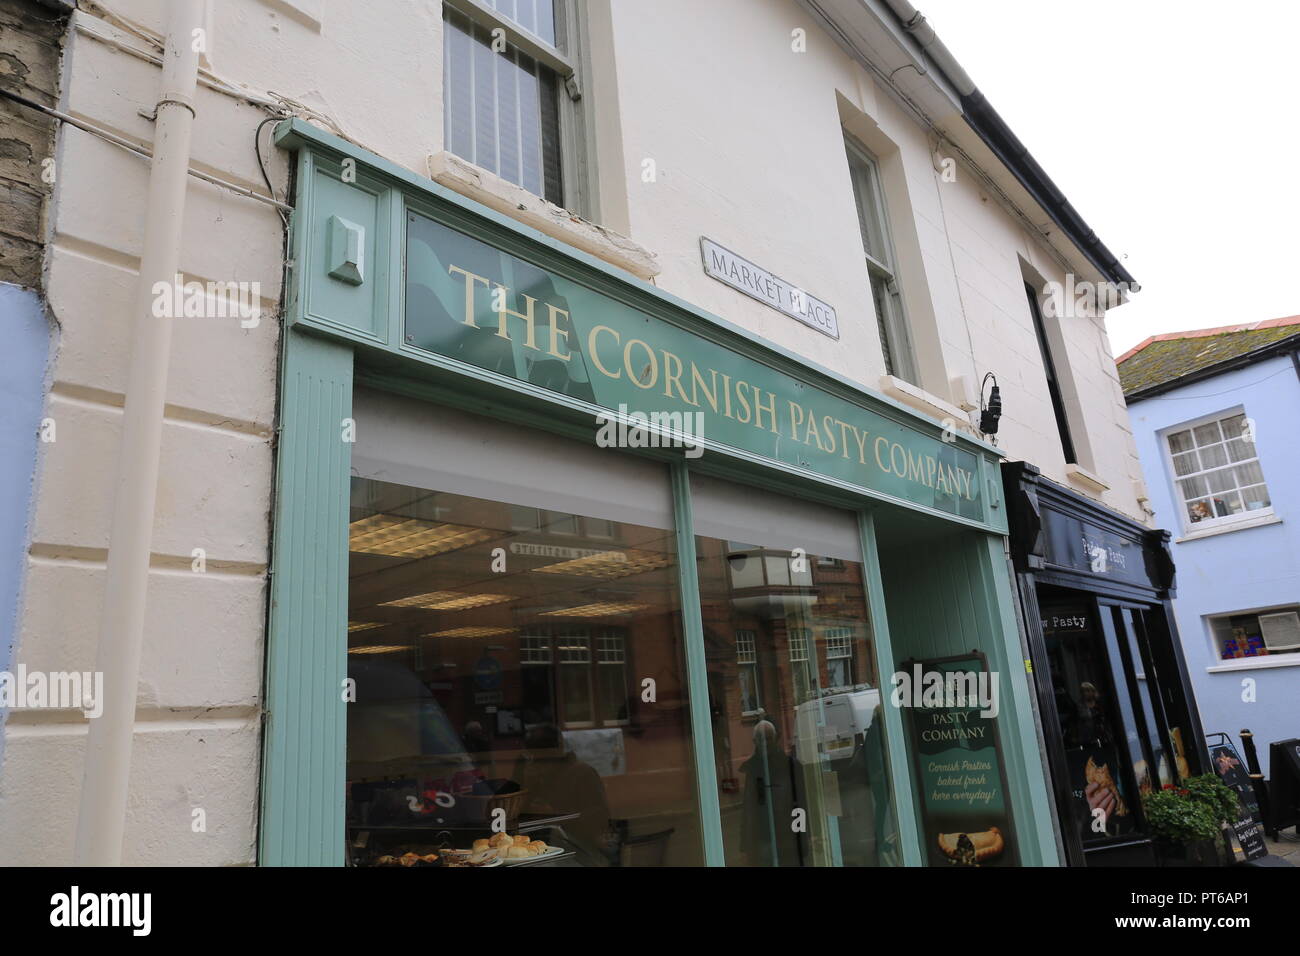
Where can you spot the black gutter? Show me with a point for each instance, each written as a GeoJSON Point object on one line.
{"type": "Point", "coordinates": [1290, 345]}
{"type": "Point", "coordinates": [1006, 146]}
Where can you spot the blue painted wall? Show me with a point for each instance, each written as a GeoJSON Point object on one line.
{"type": "Point", "coordinates": [23, 359]}
{"type": "Point", "coordinates": [1243, 569]}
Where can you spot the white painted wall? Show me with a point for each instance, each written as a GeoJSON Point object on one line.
{"type": "Point", "coordinates": [746, 136]}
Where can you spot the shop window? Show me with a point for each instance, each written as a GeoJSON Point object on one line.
{"type": "Point", "coordinates": [498, 666]}
{"type": "Point", "coordinates": [505, 106]}
{"type": "Point", "coordinates": [878, 248]}
{"type": "Point", "coordinates": [1257, 634]}
{"type": "Point", "coordinates": [1217, 474]}
{"type": "Point", "coordinates": [811, 751]}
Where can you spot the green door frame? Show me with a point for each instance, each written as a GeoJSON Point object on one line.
{"type": "Point", "coordinates": [348, 333]}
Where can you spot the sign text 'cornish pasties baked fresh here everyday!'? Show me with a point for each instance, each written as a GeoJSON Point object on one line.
{"type": "Point", "coordinates": [469, 301]}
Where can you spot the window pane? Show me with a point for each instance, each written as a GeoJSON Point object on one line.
{"type": "Point", "coordinates": [1180, 441]}
{"type": "Point", "coordinates": [1225, 505]}
{"type": "Point", "coordinates": [535, 16]}
{"type": "Point", "coordinates": [1193, 488]}
{"type": "Point", "coordinates": [1214, 456]}
{"type": "Point", "coordinates": [1220, 480]}
{"type": "Point", "coordinates": [1234, 426]}
{"type": "Point", "coordinates": [1249, 474]}
{"type": "Point", "coordinates": [817, 742]}
{"type": "Point", "coordinates": [1239, 450]}
{"type": "Point", "coordinates": [1186, 464]}
{"type": "Point", "coordinates": [1256, 498]}
{"type": "Point", "coordinates": [880, 299]}
{"type": "Point", "coordinates": [520, 698]}
{"type": "Point", "coordinates": [1199, 510]}
{"type": "Point", "coordinates": [501, 109]}
{"type": "Point", "coordinates": [1207, 434]}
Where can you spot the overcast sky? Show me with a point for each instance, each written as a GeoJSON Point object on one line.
{"type": "Point", "coordinates": [1173, 128]}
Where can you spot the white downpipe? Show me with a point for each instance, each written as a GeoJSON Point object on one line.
{"type": "Point", "coordinates": [102, 818]}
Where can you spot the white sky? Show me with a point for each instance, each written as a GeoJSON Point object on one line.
{"type": "Point", "coordinates": [1173, 128]}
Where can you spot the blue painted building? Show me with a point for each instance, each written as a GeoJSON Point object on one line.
{"type": "Point", "coordinates": [1214, 413]}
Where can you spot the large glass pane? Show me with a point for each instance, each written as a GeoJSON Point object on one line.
{"type": "Point", "coordinates": [798, 731]}
{"type": "Point", "coordinates": [1091, 724]}
{"type": "Point", "coordinates": [511, 672]}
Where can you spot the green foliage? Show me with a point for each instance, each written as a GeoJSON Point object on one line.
{"type": "Point", "coordinates": [1193, 812]}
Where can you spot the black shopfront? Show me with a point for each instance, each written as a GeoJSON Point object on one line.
{"type": "Point", "coordinates": [1118, 713]}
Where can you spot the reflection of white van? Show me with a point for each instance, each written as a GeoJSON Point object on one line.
{"type": "Point", "coordinates": [830, 727]}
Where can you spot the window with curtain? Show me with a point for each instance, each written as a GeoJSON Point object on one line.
{"type": "Point", "coordinates": [501, 103]}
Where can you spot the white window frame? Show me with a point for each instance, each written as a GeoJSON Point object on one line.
{"type": "Point", "coordinates": [900, 346]}
{"type": "Point", "coordinates": [566, 60]}
{"type": "Point", "coordinates": [1220, 663]}
{"type": "Point", "coordinates": [1188, 525]}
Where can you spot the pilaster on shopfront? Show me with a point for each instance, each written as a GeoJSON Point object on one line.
{"type": "Point", "coordinates": [692, 645]}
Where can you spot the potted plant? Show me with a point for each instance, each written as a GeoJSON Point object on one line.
{"type": "Point", "coordinates": [1187, 820]}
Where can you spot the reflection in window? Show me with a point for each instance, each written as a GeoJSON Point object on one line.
{"type": "Point", "coordinates": [801, 763]}
{"type": "Point", "coordinates": [483, 687]}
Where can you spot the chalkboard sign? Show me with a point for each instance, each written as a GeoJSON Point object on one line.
{"type": "Point", "coordinates": [1248, 826]}
{"type": "Point", "coordinates": [965, 811]}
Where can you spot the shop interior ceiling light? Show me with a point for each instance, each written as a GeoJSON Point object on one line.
{"type": "Point", "coordinates": [379, 649]}
{"type": "Point", "coordinates": [599, 609]}
{"type": "Point", "coordinates": [447, 601]}
{"type": "Point", "coordinates": [428, 599]}
{"type": "Point", "coordinates": [472, 632]}
{"type": "Point", "coordinates": [354, 626]}
{"type": "Point", "coordinates": [610, 564]}
{"type": "Point", "coordinates": [396, 536]}
{"type": "Point", "coordinates": [465, 601]}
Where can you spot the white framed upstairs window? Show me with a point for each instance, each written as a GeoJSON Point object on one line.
{"type": "Point", "coordinates": [511, 85]}
{"type": "Point", "coordinates": [882, 272]}
{"type": "Point", "coordinates": [1217, 475]}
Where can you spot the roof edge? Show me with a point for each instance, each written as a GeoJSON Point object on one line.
{"type": "Point", "coordinates": [1289, 345]}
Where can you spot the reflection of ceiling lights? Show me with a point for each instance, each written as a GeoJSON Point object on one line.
{"type": "Point", "coordinates": [599, 609]}
{"type": "Point", "coordinates": [354, 626]}
{"type": "Point", "coordinates": [610, 564]}
{"type": "Point", "coordinates": [428, 599]}
{"type": "Point", "coordinates": [379, 649]}
{"type": "Point", "coordinates": [447, 600]}
{"type": "Point", "coordinates": [470, 600]}
{"type": "Point", "coordinates": [472, 632]}
{"type": "Point", "coordinates": [397, 537]}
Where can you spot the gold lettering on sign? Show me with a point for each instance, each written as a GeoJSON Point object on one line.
{"type": "Point", "coordinates": [738, 400]}
{"type": "Point", "coordinates": [470, 279]}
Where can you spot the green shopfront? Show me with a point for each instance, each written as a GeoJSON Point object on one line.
{"type": "Point", "coordinates": [568, 572]}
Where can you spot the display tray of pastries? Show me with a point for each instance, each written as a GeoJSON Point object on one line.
{"type": "Point", "coordinates": [442, 858]}
{"type": "Point", "coordinates": [515, 849]}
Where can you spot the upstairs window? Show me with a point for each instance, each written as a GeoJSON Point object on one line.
{"type": "Point", "coordinates": [509, 79]}
{"type": "Point", "coordinates": [891, 320]}
{"type": "Point", "coordinates": [1054, 389]}
{"type": "Point", "coordinates": [1217, 474]}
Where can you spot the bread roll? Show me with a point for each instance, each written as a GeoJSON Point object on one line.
{"type": "Point", "coordinates": [501, 840]}
{"type": "Point", "coordinates": [522, 840]}
{"type": "Point", "coordinates": [518, 853]}
{"type": "Point", "coordinates": [481, 845]}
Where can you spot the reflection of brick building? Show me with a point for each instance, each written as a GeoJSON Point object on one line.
{"type": "Point", "coordinates": [780, 631]}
